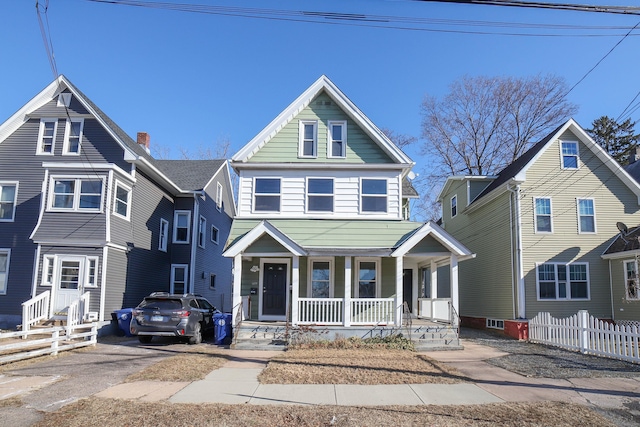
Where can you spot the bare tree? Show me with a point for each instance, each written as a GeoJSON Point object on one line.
{"type": "Point", "coordinates": [485, 123]}
{"type": "Point", "coordinates": [399, 139]}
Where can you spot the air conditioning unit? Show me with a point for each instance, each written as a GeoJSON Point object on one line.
{"type": "Point", "coordinates": [91, 316]}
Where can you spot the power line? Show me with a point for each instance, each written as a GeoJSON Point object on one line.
{"type": "Point", "coordinates": [46, 35]}
{"type": "Point", "coordinates": [620, 10]}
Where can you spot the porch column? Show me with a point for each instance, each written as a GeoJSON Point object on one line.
{"type": "Point", "coordinates": [347, 291]}
{"type": "Point", "coordinates": [454, 284]}
{"type": "Point", "coordinates": [399, 289]}
{"type": "Point", "coordinates": [434, 288]}
{"type": "Point", "coordinates": [295, 290]}
{"type": "Point", "coordinates": [237, 284]}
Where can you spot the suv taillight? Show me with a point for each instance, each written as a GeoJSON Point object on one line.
{"type": "Point", "coordinates": [136, 312]}
{"type": "Point", "coordinates": [182, 313]}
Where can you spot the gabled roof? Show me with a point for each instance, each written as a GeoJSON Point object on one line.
{"type": "Point", "coordinates": [191, 175]}
{"type": "Point", "coordinates": [264, 227]}
{"type": "Point", "coordinates": [517, 170]}
{"type": "Point", "coordinates": [323, 84]}
{"type": "Point", "coordinates": [624, 246]}
{"type": "Point", "coordinates": [408, 190]}
{"type": "Point", "coordinates": [438, 233]}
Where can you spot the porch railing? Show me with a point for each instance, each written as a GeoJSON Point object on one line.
{"type": "Point", "coordinates": [327, 311]}
{"type": "Point", "coordinates": [35, 310]}
{"type": "Point", "coordinates": [368, 311]}
{"type": "Point", "coordinates": [77, 311]}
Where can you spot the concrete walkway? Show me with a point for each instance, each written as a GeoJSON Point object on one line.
{"type": "Point", "coordinates": [236, 382]}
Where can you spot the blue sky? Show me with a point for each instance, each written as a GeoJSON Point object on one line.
{"type": "Point", "coordinates": [191, 79]}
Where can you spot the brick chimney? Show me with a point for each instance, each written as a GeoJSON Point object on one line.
{"type": "Point", "coordinates": [144, 139]}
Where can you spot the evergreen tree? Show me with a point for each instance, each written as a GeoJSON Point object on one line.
{"type": "Point", "coordinates": [619, 139]}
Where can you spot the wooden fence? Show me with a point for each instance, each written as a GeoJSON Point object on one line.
{"type": "Point", "coordinates": [584, 333]}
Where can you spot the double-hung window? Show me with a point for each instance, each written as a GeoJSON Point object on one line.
{"type": "Point", "coordinates": [337, 139]}
{"type": "Point", "coordinates": [321, 272]}
{"type": "Point", "coordinates": [267, 195]}
{"type": "Point", "coordinates": [454, 206]}
{"type": "Point", "coordinates": [368, 278]}
{"type": "Point", "coordinates": [122, 200]}
{"type": "Point", "coordinates": [632, 287]}
{"type": "Point", "coordinates": [163, 235]}
{"type": "Point", "coordinates": [543, 222]}
{"type": "Point", "coordinates": [181, 226]}
{"type": "Point", "coordinates": [76, 194]}
{"type": "Point", "coordinates": [202, 231]}
{"type": "Point", "coordinates": [586, 216]}
{"type": "Point", "coordinates": [4, 269]}
{"type": "Point", "coordinates": [558, 281]}
{"type": "Point", "coordinates": [47, 136]}
{"type": "Point", "coordinates": [179, 278]}
{"type": "Point", "coordinates": [214, 234]}
{"type": "Point", "coordinates": [308, 138]}
{"type": "Point", "coordinates": [8, 197]}
{"type": "Point", "coordinates": [374, 195]}
{"type": "Point", "coordinates": [569, 154]}
{"type": "Point", "coordinates": [91, 272]}
{"type": "Point", "coordinates": [320, 195]}
{"type": "Point", "coordinates": [48, 264]}
{"type": "Point", "coordinates": [72, 136]}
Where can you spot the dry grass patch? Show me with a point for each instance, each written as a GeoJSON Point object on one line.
{"type": "Point", "coordinates": [195, 364]}
{"type": "Point", "coordinates": [99, 412]}
{"type": "Point", "coordinates": [14, 401]}
{"type": "Point", "coordinates": [365, 366]}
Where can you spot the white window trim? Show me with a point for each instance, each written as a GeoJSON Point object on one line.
{"type": "Point", "coordinates": [330, 260]}
{"type": "Point", "coordinates": [535, 215]}
{"type": "Point", "coordinates": [41, 136]}
{"type": "Point", "coordinates": [15, 198]}
{"type": "Point", "coordinates": [76, 196]}
{"type": "Point", "coordinates": [330, 125]}
{"type": "Point", "coordinates": [301, 125]}
{"type": "Point", "coordinates": [255, 179]}
{"type": "Point", "coordinates": [212, 276]}
{"type": "Point", "coordinates": [175, 227]}
{"type": "Point", "coordinates": [115, 200]}
{"type": "Point", "coordinates": [386, 195]}
{"type": "Point", "coordinates": [595, 226]}
{"type": "Point", "coordinates": [356, 280]}
{"type": "Point", "coordinates": [86, 272]}
{"type": "Point", "coordinates": [333, 196]}
{"type": "Point", "coordinates": [202, 232]}
{"type": "Point", "coordinates": [162, 242]}
{"type": "Point", "coordinates": [624, 275]}
{"type": "Point", "coordinates": [217, 233]}
{"type": "Point", "coordinates": [577, 155]}
{"type": "Point", "coordinates": [3, 291]}
{"type": "Point", "coordinates": [67, 134]}
{"type": "Point", "coordinates": [48, 261]}
{"type": "Point", "coordinates": [173, 277]}
{"type": "Point", "coordinates": [568, 290]}
{"type": "Point", "coordinates": [219, 197]}
{"type": "Point", "coordinates": [454, 204]}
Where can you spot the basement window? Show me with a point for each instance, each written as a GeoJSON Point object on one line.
{"type": "Point", "coordinates": [495, 324]}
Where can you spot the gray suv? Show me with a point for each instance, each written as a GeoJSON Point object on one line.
{"type": "Point", "coordinates": [167, 315]}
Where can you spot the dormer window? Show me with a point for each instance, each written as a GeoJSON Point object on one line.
{"type": "Point", "coordinates": [308, 138]}
{"type": "Point", "coordinates": [337, 139]}
{"type": "Point", "coordinates": [454, 206]}
{"type": "Point", "coordinates": [569, 155]}
{"type": "Point", "coordinates": [47, 136]}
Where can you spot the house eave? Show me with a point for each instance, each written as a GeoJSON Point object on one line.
{"type": "Point", "coordinates": [622, 255]}
{"type": "Point", "coordinates": [320, 166]}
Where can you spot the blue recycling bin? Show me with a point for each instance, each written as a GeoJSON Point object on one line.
{"type": "Point", "coordinates": [222, 328]}
{"type": "Point", "coordinates": [123, 317]}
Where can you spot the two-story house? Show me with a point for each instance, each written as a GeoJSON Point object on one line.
{"type": "Point", "coordinates": [322, 234]}
{"type": "Point", "coordinates": [540, 229]}
{"type": "Point", "coordinates": [86, 210]}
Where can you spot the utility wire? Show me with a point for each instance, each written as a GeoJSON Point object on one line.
{"type": "Point", "coordinates": [624, 10]}
{"type": "Point", "coordinates": [46, 35]}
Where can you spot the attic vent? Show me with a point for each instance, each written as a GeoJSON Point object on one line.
{"type": "Point", "coordinates": [64, 99]}
{"type": "Point", "coordinates": [327, 102]}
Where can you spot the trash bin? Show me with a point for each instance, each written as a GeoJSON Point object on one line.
{"type": "Point", "coordinates": [123, 317]}
{"type": "Point", "coordinates": [222, 328]}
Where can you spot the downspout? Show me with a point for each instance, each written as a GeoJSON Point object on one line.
{"type": "Point", "coordinates": [521, 308]}
{"type": "Point", "coordinates": [613, 312]}
{"type": "Point", "coordinates": [194, 242]}
{"type": "Point", "coordinates": [512, 257]}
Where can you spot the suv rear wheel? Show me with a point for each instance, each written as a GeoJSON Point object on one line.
{"type": "Point", "coordinates": [197, 335]}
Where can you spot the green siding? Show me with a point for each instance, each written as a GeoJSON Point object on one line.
{"type": "Point", "coordinates": [623, 308]}
{"type": "Point", "coordinates": [251, 280]}
{"type": "Point", "coordinates": [388, 288]}
{"type": "Point", "coordinates": [283, 147]}
{"type": "Point", "coordinates": [265, 244]}
{"type": "Point", "coordinates": [428, 244]}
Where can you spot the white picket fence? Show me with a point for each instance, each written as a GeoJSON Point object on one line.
{"type": "Point", "coordinates": [585, 333]}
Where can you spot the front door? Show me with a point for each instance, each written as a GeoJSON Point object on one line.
{"type": "Point", "coordinates": [68, 281]}
{"type": "Point", "coordinates": [274, 290]}
{"type": "Point", "coordinates": [407, 287]}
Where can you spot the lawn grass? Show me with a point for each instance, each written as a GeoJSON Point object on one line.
{"type": "Point", "coordinates": [100, 412]}
{"type": "Point", "coordinates": [359, 366]}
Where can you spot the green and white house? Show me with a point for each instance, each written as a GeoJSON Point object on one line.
{"type": "Point", "coordinates": [541, 230]}
{"type": "Point", "coordinates": [322, 235]}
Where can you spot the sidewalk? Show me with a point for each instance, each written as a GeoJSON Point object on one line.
{"type": "Point", "coordinates": [236, 382]}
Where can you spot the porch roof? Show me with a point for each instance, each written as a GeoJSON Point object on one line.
{"type": "Point", "coordinates": [325, 236]}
